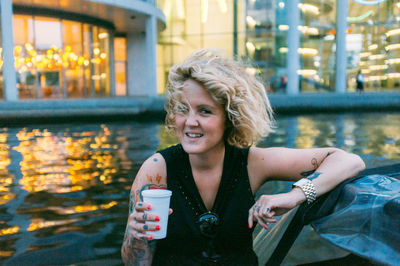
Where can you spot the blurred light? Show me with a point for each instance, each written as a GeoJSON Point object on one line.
{"type": "Point", "coordinates": [250, 47]}
{"type": "Point", "coordinates": [378, 67]}
{"type": "Point", "coordinates": [281, 5]}
{"type": "Point", "coordinates": [393, 32]}
{"type": "Point", "coordinates": [306, 72]}
{"type": "Point", "coordinates": [251, 71]}
{"type": "Point", "coordinates": [365, 54]}
{"type": "Point", "coordinates": [392, 47]}
{"type": "Point", "coordinates": [180, 10]}
{"type": "Point", "coordinates": [365, 71]}
{"type": "Point", "coordinates": [377, 56]}
{"type": "Point", "coordinates": [222, 6]}
{"type": "Point", "coordinates": [103, 35]}
{"type": "Point", "coordinates": [283, 50]}
{"type": "Point", "coordinates": [393, 75]}
{"type": "Point", "coordinates": [302, 51]}
{"type": "Point", "coordinates": [251, 22]}
{"type": "Point", "coordinates": [372, 47]}
{"type": "Point", "coordinates": [283, 27]}
{"type": "Point", "coordinates": [308, 30]}
{"type": "Point", "coordinates": [329, 37]}
{"type": "Point", "coordinates": [308, 8]}
{"type": "Point", "coordinates": [308, 51]}
{"type": "Point", "coordinates": [204, 10]}
{"type": "Point", "coordinates": [373, 78]}
{"type": "Point", "coordinates": [393, 61]}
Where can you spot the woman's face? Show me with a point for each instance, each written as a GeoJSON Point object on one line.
{"type": "Point", "coordinates": [200, 125]}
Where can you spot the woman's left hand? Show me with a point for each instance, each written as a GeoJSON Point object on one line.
{"type": "Point", "coordinates": [268, 206]}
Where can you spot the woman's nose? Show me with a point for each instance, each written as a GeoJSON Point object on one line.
{"type": "Point", "coordinates": [191, 119]}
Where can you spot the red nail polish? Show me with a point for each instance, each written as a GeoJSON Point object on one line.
{"type": "Point", "coordinates": [148, 207]}
{"type": "Point", "coordinates": [266, 227]}
{"type": "Point", "coordinates": [157, 218]}
{"type": "Point", "coordinates": [249, 226]}
{"type": "Point", "coordinates": [157, 227]}
{"type": "Point", "coordinates": [151, 237]}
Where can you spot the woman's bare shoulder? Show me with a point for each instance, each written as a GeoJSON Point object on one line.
{"type": "Point", "coordinates": [153, 172]}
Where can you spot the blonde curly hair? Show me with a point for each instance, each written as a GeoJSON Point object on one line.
{"type": "Point", "coordinates": [249, 116]}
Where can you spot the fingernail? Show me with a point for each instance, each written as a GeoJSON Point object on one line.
{"type": "Point", "coordinates": [157, 227]}
{"type": "Point", "coordinates": [157, 218]}
{"type": "Point", "coordinates": [151, 237]}
{"type": "Point", "coordinates": [145, 227]}
{"type": "Point", "coordinates": [140, 204]}
{"type": "Point", "coordinates": [148, 207]}
{"type": "Point", "coordinates": [266, 227]}
{"type": "Point", "coordinates": [250, 226]}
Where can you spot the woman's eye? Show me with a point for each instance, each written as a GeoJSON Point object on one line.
{"type": "Point", "coordinates": [205, 111]}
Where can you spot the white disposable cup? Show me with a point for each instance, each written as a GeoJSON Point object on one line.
{"type": "Point", "coordinates": [159, 201]}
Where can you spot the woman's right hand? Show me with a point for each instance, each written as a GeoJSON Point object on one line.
{"type": "Point", "coordinates": [137, 227]}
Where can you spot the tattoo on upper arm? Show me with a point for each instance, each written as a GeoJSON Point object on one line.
{"type": "Point", "coordinates": [155, 182]}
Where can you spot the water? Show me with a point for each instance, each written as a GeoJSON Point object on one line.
{"type": "Point", "coordinates": [64, 188]}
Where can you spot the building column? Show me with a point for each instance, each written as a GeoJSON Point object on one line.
{"type": "Point", "coordinates": [7, 36]}
{"type": "Point", "coordinates": [342, 8]}
{"type": "Point", "coordinates": [111, 62]}
{"type": "Point", "coordinates": [293, 40]}
{"type": "Point", "coordinates": [151, 55]}
{"type": "Point", "coordinates": [142, 60]}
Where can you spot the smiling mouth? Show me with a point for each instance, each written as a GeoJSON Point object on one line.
{"type": "Point", "coordinates": [194, 135]}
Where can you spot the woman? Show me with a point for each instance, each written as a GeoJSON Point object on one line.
{"type": "Point", "coordinates": [218, 111]}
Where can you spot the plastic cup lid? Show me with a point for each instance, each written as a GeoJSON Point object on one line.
{"type": "Point", "coordinates": [156, 193]}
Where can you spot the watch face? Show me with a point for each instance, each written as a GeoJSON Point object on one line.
{"type": "Point", "coordinates": [301, 182]}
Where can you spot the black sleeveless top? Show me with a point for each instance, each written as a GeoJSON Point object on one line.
{"type": "Point", "coordinates": [186, 244]}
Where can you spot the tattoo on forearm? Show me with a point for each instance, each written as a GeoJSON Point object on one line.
{"type": "Point", "coordinates": [314, 175]}
{"type": "Point", "coordinates": [315, 164]}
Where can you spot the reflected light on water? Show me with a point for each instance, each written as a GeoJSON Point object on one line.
{"type": "Point", "coordinates": [6, 179]}
{"type": "Point", "coordinates": [64, 186]}
{"type": "Point", "coordinates": [60, 164]}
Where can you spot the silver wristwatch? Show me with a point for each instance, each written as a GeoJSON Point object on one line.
{"type": "Point", "coordinates": [308, 188]}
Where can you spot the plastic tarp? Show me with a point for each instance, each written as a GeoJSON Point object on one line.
{"type": "Point", "coordinates": [366, 219]}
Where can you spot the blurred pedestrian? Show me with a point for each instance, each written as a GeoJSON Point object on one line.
{"type": "Point", "coordinates": [360, 81]}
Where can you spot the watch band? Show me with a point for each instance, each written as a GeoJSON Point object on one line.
{"type": "Point", "coordinates": [308, 188]}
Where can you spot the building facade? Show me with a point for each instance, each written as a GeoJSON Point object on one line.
{"type": "Point", "coordinates": [78, 49]}
{"type": "Point", "coordinates": [81, 49]}
{"type": "Point", "coordinates": [294, 46]}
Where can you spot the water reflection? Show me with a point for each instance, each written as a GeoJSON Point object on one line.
{"type": "Point", "coordinates": [64, 188]}
{"type": "Point", "coordinates": [68, 162]}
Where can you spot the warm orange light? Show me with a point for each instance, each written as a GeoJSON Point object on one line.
{"type": "Point", "coordinates": [332, 32]}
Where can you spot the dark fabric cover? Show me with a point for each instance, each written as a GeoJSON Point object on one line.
{"type": "Point", "coordinates": [185, 243]}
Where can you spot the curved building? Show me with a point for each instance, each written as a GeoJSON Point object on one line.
{"type": "Point", "coordinates": [70, 49]}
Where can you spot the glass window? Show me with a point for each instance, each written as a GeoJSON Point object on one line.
{"type": "Point", "coordinates": [73, 59]}
{"type": "Point", "coordinates": [25, 57]}
{"type": "Point", "coordinates": [120, 65]}
{"type": "Point", "coordinates": [47, 45]}
{"type": "Point", "coordinates": [59, 59]}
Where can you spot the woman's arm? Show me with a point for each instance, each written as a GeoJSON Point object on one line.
{"type": "Point", "coordinates": [138, 247]}
{"type": "Point", "coordinates": [325, 167]}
